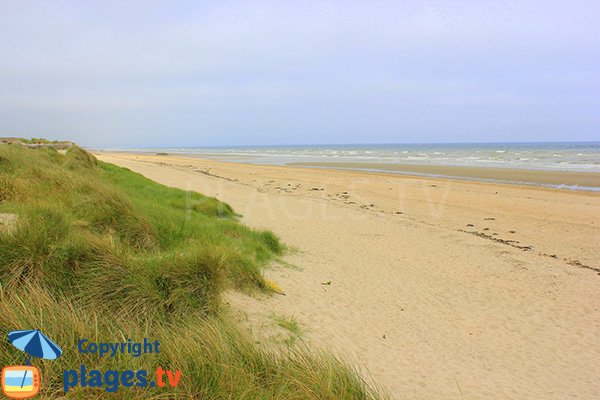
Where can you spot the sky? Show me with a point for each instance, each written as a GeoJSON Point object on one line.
{"type": "Point", "coordinates": [120, 74]}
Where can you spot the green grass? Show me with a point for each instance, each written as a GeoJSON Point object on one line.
{"type": "Point", "coordinates": [288, 323]}
{"type": "Point", "coordinates": [291, 325]}
{"type": "Point", "coordinates": [100, 252]}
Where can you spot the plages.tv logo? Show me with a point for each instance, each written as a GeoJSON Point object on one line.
{"type": "Point", "coordinates": [23, 381]}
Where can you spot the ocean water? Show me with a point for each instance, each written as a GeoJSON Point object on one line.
{"type": "Point", "coordinates": [576, 156]}
{"type": "Point", "coordinates": [18, 379]}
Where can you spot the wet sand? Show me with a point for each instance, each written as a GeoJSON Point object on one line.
{"type": "Point", "coordinates": [507, 175]}
{"type": "Point", "coordinates": [441, 289]}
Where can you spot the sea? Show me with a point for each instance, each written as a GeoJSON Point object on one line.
{"type": "Point", "coordinates": [556, 156]}
{"type": "Point", "coordinates": [565, 156]}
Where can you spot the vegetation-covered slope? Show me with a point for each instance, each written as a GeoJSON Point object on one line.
{"type": "Point", "coordinates": [95, 251]}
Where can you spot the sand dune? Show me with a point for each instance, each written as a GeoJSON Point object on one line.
{"type": "Point", "coordinates": [442, 289]}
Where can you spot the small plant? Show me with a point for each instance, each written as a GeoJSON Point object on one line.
{"type": "Point", "coordinates": [272, 242]}
{"type": "Point", "coordinates": [291, 325]}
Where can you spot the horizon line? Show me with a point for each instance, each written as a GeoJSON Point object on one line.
{"type": "Point", "coordinates": [348, 144]}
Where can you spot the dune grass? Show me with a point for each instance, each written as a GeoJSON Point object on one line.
{"type": "Point", "coordinates": [100, 252]}
{"type": "Point", "coordinates": [291, 325]}
{"type": "Point", "coordinates": [288, 323]}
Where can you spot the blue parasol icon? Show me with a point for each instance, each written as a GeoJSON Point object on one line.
{"type": "Point", "coordinates": [36, 344]}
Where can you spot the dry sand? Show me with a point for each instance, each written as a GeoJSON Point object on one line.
{"type": "Point", "coordinates": [443, 289]}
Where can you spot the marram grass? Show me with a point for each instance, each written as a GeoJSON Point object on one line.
{"type": "Point", "coordinates": [99, 252]}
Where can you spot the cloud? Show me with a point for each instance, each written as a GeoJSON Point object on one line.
{"type": "Point", "coordinates": [263, 72]}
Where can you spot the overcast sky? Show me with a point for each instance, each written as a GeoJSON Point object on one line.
{"type": "Point", "coordinates": [191, 73]}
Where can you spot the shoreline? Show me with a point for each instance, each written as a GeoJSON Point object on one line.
{"type": "Point", "coordinates": [571, 180]}
{"type": "Point", "coordinates": [586, 181]}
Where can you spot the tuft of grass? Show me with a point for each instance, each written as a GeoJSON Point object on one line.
{"type": "Point", "coordinates": [272, 242]}
{"type": "Point", "coordinates": [7, 189]}
{"type": "Point", "coordinates": [99, 252]}
{"type": "Point", "coordinates": [288, 323]}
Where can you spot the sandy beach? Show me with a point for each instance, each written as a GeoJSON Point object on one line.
{"type": "Point", "coordinates": [440, 289]}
